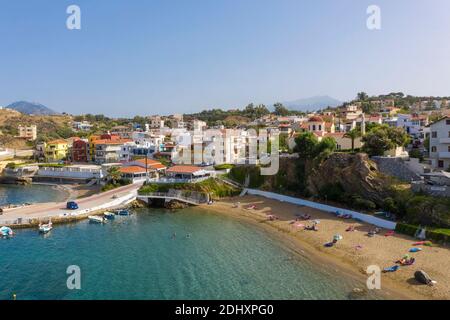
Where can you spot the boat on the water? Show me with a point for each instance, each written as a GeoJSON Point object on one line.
{"type": "Point", "coordinates": [96, 219]}
{"type": "Point", "coordinates": [109, 215]}
{"type": "Point", "coordinates": [123, 212]}
{"type": "Point", "coordinates": [44, 228]}
{"type": "Point", "coordinates": [6, 232]}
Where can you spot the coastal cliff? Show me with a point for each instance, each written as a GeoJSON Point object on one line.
{"type": "Point", "coordinates": [355, 174]}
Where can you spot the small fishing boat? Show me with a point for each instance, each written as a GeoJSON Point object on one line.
{"type": "Point", "coordinates": [44, 228]}
{"type": "Point", "coordinates": [6, 232]}
{"type": "Point", "coordinates": [108, 215]}
{"type": "Point", "coordinates": [123, 212]}
{"type": "Point", "coordinates": [96, 219]}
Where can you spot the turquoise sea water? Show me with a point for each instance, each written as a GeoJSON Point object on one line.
{"type": "Point", "coordinates": [16, 194]}
{"type": "Point", "coordinates": [138, 257]}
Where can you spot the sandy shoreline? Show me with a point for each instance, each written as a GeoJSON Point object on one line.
{"type": "Point", "coordinates": [354, 253]}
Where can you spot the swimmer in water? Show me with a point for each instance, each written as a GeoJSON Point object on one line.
{"type": "Point", "coordinates": [188, 235]}
{"type": "Point", "coordinates": [174, 235]}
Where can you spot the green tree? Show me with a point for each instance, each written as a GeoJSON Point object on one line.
{"type": "Point", "coordinates": [362, 96]}
{"type": "Point", "coordinates": [382, 138]}
{"type": "Point", "coordinates": [353, 135]}
{"type": "Point", "coordinates": [280, 110]}
{"type": "Point", "coordinates": [306, 144]}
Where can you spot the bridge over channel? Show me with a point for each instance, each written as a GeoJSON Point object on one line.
{"type": "Point", "coordinates": [178, 196]}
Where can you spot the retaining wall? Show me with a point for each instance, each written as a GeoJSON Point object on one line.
{"type": "Point", "coordinates": [356, 215]}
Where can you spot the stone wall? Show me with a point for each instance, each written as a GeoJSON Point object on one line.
{"type": "Point", "coordinates": [437, 191]}
{"type": "Point", "coordinates": [397, 168]}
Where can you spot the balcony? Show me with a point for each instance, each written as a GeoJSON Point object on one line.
{"type": "Point", "coordinates": [444, 155]}
{"type": "Point", "coordinates": [444, 140]}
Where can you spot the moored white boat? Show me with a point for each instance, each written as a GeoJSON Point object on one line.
{"type": "Point", "coordinates": [44, 228]}
{"type": "Point", "coordinates": [6, 232]}
{"type": "Point", "coordinates": [96, 219]}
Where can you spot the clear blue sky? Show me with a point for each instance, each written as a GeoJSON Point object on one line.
{"type": "Point", "coordinates": [158, 56]}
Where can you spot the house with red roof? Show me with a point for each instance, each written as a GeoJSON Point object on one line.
{"type": "Point", "coordinates": [184, 173]}
{"type": "Point", "coordinates": [136, 173]}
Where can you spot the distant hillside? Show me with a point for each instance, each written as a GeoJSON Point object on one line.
{"type": "Point", "coordinates": [31, 108]}
{"type": "Point", "coordinates": [312, 103]}
{"type": "Point", "coordinates": [49, 127]}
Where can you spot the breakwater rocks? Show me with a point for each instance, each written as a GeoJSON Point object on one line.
{"type": "Point", "coordinates": [15, 180]}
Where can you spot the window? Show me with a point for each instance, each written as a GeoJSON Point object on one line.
{"type": "Point", "coordinates": [448, 149]}
{"type": "Point", "coordinates": [434, 134]}
{"type": "Point", "coordinates": [447, 122]}
{"type": "Point", "coordinates": [441, 163]}
{"type": "Point", "coordinates": [433, 149]}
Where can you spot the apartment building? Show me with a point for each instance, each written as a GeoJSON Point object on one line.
{"type": "Point", "coordinates": [80, 151]}
{"type": "Point", "coordinates": [440, 144]}
{"type": "Point", "coordinates": [28, 132]}
{"type": "Point", "coordinates": [109, 150]}
{"type": "Point", "coordinates": [56, 150]}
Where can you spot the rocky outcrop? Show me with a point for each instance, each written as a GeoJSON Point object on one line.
{"type": "Point", "coordinates": [173, 204]}
{"type": "Point", "coordinates": [356, 174]}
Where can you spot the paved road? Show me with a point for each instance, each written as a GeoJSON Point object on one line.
{"type": "Point", "coordinates": [11, 153]}
{"type": "Point", "coordinates": [52, 209]}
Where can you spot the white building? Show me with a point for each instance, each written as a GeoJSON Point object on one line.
{"type": "Point", "coordinates": [440, 143]}
{"type": "Point", "coordinates": [28, 132]}
{"type": "Point", "coordinates": [413, 124]}
{"type": "Point", "coordinates": [73, 172]}
{"type": "Point", "coordinates": [82, 125]}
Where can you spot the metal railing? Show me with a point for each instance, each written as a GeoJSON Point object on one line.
{"type": "Point", "coordinates": [177, 195]}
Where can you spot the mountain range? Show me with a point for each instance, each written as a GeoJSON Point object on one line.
{"type": "Point", "coordinates": [31, 108]}
{"type": "Point", "coordinates": [312, 103]}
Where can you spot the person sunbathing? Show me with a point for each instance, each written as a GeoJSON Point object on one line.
{"type": "Point", "coordinates": [406, 261]}
{"type": "Point", "coordinates": [313, 227]}
{"type": "Point", "coordinates": [305, 216]}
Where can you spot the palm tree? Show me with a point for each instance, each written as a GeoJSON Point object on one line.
{"type": "Point", "coordinates": [353, 135]}
{"type": "Point", "coordinates": [114, 174]}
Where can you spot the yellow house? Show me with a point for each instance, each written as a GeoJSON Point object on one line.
{"type": "Point", "coordinates": [56, 150]}
{"type": "Point", "coordinates": [92, 140]}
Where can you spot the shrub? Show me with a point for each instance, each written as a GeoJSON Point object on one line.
{"type": "Point", "coordinates": [11, 165]}
{"type": "Point", "coordinates": [211, 186]}
{"type": "Point", "coordinates": [119, 183]}
{"type": "Point", "coordinates": [364, 204]}
{"type": "Point", "coordinates": [440, 234]}
{"type": "Point", "coordinates": [333, 192]}
{"type": "Point", "coordinates": [407, 229]}
{"type": "Point", "coordinates": [415, 153]}
{"type": "Point", "coordinates": [389, 205]}
{"type": "Point", "coordinates": [239, 173]}
{"type": "Point", "coordinates": [224, 166]}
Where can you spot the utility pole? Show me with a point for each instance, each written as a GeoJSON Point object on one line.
{"type": "Point", "coordinates": [146, 167]}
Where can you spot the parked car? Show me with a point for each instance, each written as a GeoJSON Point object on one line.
{"type": "Point", "coordinates": [72, 205]}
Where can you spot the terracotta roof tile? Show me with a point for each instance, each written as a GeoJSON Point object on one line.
{"type": "Point", "coordinates": [183, 169]}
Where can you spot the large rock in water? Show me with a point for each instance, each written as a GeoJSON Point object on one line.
{"type": "Point", "coordinates": [356, 174]}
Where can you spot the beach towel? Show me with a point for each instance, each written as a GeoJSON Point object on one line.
{"type": "Point", "coordinates": [389, 234]}
{"type": "Point", "coordinates": [391, 269]}
{"type": "Point", "coordinates": [415, 249]}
